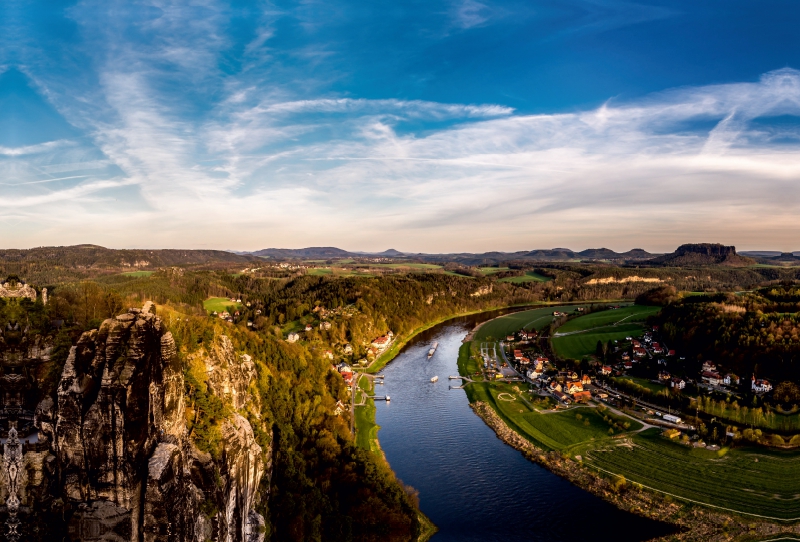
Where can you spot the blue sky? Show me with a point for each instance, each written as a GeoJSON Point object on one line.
{"type": "Point", "coordinates": [435, 126]}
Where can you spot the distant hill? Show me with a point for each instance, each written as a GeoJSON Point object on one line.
{"type": "Point", "coordinates": [390, 253]}
{"type": "Point", "coordinates": [465, 258]}
{"type": "Point", "coordinates": [303, 253]}
{"type": "Point", "coordinates": [760, 253]}
{"type": "Point", "coordinates": [703, 254]}
{"type": "Point", "coordinates": [608, 254]}
{"type": "Point", "coordinates": [93, 256]}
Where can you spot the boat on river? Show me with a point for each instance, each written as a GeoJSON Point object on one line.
{"type": "Point", "coordinates": [435, 379]}
{"type": "Point", "coordinates": [432, 350]}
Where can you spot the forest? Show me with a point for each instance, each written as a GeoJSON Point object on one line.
{"type": "Point", "coordinates": [755, 333]}
{"type": "Point", "coordinates": [324, 486]}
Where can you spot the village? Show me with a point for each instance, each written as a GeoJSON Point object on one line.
{"type": "Point", "coordinates": [628, 378]}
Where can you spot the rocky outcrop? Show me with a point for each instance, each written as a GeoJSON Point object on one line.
{"type": "Point", "coordinates": [229, 374]}
{"type": "Point", "coordinates": [703, 254]}
{"type": "Point", "coordinates": [115, 448]}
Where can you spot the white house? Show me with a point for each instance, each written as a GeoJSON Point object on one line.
{"type": "Point", "coordinates": [293, 337]}
{"type": "Point", "coordinates": [677, 383]}
{"type": "Point", "coordinates": [533, 374]}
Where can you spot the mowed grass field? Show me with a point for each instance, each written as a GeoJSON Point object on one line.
{"type": "Point", "coordinates": [138, 274]}
{"type": "Point", "coordinates": [546, 429]}
{"type": "Point", "coordinates": [610, 325]}
{"type": "Point", "coordinates": [366, 428]}
{"type": "Point", "coordinates": [626, 314]}
{"type": "Point", "coordinates": [537, 319]}
{"type": "Point", "coordinates": [530, 276]}
{"type": "Point", "coordinates": [491, 270]}
{"type": "Point", "coordinates": [747, 481]}
{"type": "Point", "coordinates": [219, 304]}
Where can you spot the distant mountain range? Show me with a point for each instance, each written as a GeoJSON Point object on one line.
{"type": "Point", "coordinates": [685, 255]}
{"type": "Point", "coordinates": [543, 255]}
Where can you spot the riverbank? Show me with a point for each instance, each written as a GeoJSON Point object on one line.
{"type": "Point", "coordinates": [398, 344]}
{"type": "Point", "coordinates": [366, 426]}
{"type": "Point", "coordinates": [695, 523]}
{"type": "Point", "coordinates": [693, 519]}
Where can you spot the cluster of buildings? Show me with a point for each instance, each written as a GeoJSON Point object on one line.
{"type": "Point", "coordinates": [573, 388]}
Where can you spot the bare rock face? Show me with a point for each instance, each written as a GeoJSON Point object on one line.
{"type": "Point", "coordinates": [243, 469]}
{"type": "Point", "coordinates": [229, 374]}
{"type": "Point", "coordinates": [126, 467]}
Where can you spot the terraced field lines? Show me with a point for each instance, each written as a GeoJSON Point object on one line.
{"type": "Point", "coordinates": [734, 481]}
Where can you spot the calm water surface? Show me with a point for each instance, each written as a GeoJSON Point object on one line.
{"type": "Point", "coordinates": [471, 484]}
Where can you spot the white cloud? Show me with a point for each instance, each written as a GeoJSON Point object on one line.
{"type": "Point", "coordinates": [255, 165]}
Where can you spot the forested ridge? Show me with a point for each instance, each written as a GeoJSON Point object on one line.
{"type": "Point", "coordinates": [323, 487]}
{"type": "Point", "coordinates": [755, 333]}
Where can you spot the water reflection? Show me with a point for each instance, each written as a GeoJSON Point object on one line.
{"type": "Point", "coordinates": [471, 484]}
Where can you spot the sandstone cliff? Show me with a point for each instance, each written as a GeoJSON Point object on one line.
{"type": "Point", "coordinates": [704, 254]}
{"type": "Point", "coordinates": [114, 456]}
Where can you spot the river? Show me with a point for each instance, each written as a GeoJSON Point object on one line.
{"type": "Point", "coordinates": [471, 484]}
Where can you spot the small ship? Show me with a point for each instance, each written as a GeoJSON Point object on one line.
{"type": "Point", "coordinates": [435, 379]}
{"type": "Point", "coordinates": [432, 350]}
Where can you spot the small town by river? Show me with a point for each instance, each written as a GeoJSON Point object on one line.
{"type": "Point", "coordinates": [472, 485]}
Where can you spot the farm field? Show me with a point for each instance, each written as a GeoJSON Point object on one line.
{"type": "Point", "coordinates": [530, 276]}
{"type": "Point", "coordinates": [491, 270]}
{"type": "Point", "coordinates": [137, 274]}
{"type": "Point", "coordinates": [548, 430]}
{"type": "Point", "coordinates": [609, 325]}
{"type": "Point", "coordinates": [584, 344]}
{"type": "Point", "coordinates": [499, 328]}
{"type": "Point", "coordinates": [562, 430]}
{"type": "Point", "coordinates": [627, 314]}
{"type": "Point", "coordinates": [732, 480]}
{"type": "Point", "coordinates": [219, 304]}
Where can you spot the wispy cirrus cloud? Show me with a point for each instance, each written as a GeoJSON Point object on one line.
{"type": "Point", "coordinates": [192, 138]}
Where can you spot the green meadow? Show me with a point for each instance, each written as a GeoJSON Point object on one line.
{"type": "Point", "coordinates": [608, 325]}
{"type": "Point", "coordinates": [530, 276]}
{"type": "Point", "coordinates": [137, 274]}
{"type": "Point", "coordinates": [537, 319]}
{"type": "Point", "coordinates": [747, 481]}
{"type": "Point", "coordinates": [219, 304]}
